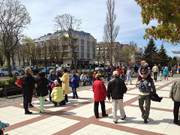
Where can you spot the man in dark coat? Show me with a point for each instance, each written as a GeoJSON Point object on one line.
{"type": "Point", "coordinates": [28, 87]}
{"type": "Point", "coordinates": [116, 89]}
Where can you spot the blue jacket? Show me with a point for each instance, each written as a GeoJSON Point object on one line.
{"type": "Point", "coordinates": [74, 81]}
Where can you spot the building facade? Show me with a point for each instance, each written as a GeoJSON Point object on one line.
{"type": "Point", "coordinates": [121, 53]}
{"type": "Point", "coordinates": [60, 48]}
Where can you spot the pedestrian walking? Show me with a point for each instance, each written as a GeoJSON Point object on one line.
{"type": "Point", "coordinates": [65, 83]}
{"type": "Point", "coordinates": [99, 90]}
{"type": "Point", "coordinates": [128, 76]}
{"type": "Point", "coordinates": [175, 95]}
{"type": "Point", "coordinates": [165, 73]}
{"type": "Point", "coordinates": [42, 90]}
{"type": "Point", "coordinates": [146, 86]}
{"type": "Point", "coordinates": [116, 89]}
{"type": "Point", "coordinates": [74, 83]}
{"type": "Point", "coordinates": [51, 77]}
{"type": "Point", "coordinates": [155, 71]}
{"type": "Point", "coordinates": [28, 87]}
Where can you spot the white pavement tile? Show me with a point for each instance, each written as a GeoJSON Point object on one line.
{"type": "Point", "coordinates": [85, 94]}
{"type": "Point", "coordinates": [163, 93]}
{"type": "Point", "coordinates": [47, 103]}
{"type": "Point", "coordinates": [172, 129]}
{"type": "Point", "coordinates": [93, 129]}
{"type": "Point", "coordinates": [128, 97]}
{"type": "Point", "coordinates": [46, 126]}
{"type": "Point", "coordinates": [13, 115]}
{"type": "Point", "coordinates": [166, 103]}
{"type": "Point", "coordinates": [87, 110]}
{"type": "Point", "coordinates": [159, 120]}
{"type": "Point", "coordinates": [54, 109]}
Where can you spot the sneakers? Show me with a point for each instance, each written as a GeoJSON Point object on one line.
{"type": "Point", "coordinates": [106, 115]}
{"type": "Point", "coordinates": [30, 105]}
{"type": "Point", "coordinates": [145, 121]}
{"type": "Point", "coordinates": [123, 118]}
{"type": "Point", "coordinates": [115, 121]}
{"type": "Point", "coordinates": [177, 123]}
{"type": "Point", "coordinates": [28, 112]}
{"type": "Point", "coordinates": [41, 112]}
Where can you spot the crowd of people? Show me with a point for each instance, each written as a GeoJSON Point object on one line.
{"type": "Point", "coordinates": [57, 84]}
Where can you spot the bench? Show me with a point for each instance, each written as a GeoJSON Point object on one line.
{"type": "Point", "coordinates": [7, 90]}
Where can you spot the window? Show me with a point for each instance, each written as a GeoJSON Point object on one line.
{"type": "Point", "coordinates": [88, 50]}
{"type": "Point", "coordinates": [82, 41]}
{"type": "Point", "coordinates": [82, 51]}
{"type": "Point", "coordinates": [93, 51]}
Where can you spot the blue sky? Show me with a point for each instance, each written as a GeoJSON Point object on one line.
{"type": "Point", "coordinates": [92, 14]}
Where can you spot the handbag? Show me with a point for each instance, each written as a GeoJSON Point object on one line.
{"type": "Point", "coordinates": [155, 97]}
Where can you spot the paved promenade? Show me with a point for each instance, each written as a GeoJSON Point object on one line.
{"type": "Point", "coordinates": [77, 117]}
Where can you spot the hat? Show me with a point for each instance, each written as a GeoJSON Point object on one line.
{"type": "Point", "coordinates": [115, 73]}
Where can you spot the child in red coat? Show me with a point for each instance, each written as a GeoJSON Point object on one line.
{"type": "Point", "coordinates": [99, 90]}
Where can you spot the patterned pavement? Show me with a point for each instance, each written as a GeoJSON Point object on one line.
{"type": "Point", "coordinates": [77, 117]}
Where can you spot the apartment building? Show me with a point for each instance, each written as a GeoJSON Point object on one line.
{"type": "Point", "coordinates": [59, 49]}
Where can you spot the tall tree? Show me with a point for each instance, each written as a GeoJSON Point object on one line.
{"type": "Point", "coordinates": [110, 29]}
{"type": "Point", "coordinates": [129, 52]}
{"type": "Point", "coordinates": [13, 18]}
{"type": "Point", "coordinates": [172, 62]}
{"type": "Point", "coordinates": [29, 50]}
{"type": "Point", "coordinates": [163, 57]}
{"type": "Point", "coordinates": [167, 14]}
{"type": "Point", "coordinates": [67, 23]}
{"type": "Point", "coordinates": [150, 53]}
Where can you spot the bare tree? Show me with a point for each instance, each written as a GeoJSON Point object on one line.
{"type": "Point", "coordinates": [13, 18]}
{"type": "Point", "coordinates": [110, 29]}
{"type": "Point", "coordinates": [29, 47]}
{"type": "Point", "coordinates": [67, 23]}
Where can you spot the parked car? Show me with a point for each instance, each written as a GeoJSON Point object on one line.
{"type": "Point", "coordinates": [46, 69]}
{"type": "Point", "coordinates": [3, 72]}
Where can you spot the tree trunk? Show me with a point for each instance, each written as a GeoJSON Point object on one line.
{"type": "Point", "coordinates": [8, 58]}
{"type": "Point", "coordinates": [13, 61]}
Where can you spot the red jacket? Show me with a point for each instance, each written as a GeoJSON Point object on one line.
{"type": "Point", "coordinates": [99, 90]}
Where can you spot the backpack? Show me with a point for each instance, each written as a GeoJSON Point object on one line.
{"type": "Point", "coordinates": [19, 83]}
{"type": "Point", "coordinates": [144, 86]}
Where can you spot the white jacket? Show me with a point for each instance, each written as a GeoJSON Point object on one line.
{"type": "Point", "coordinates": [175, 91]}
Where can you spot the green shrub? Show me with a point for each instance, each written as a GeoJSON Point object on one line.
{"type": "Point", "coordinates": [7, 82]}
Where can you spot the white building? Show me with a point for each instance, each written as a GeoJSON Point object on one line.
{"type": "Point", "coordinates": [84, 45]}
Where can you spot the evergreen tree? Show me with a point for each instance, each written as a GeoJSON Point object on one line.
{"type": "Point", "coordinates": [163, 57]}
{"type": "Point", "coordinates": [150, 53]}
{"type": "Point", "coordinates": [172, 61]}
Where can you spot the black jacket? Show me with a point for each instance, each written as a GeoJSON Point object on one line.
{"type": "Point", "coordinates": [42, 87]}
{"type": "Point", "coordinates": [116, 88]}
{"type": "Point", "coordinates": [28, 85]}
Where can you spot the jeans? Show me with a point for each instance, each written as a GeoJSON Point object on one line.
{"type": "Point", "coordinates": [74, 93]}
{"type": "Point", "coordinates": [144, 99]}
